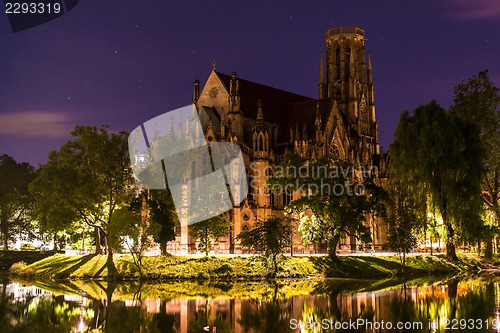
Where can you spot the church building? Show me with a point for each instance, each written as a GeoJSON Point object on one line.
{"type": "Point", "coordinates": [267, 122]}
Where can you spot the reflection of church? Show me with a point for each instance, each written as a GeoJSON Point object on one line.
{"type": "Point", "coordinates": [267, 122]}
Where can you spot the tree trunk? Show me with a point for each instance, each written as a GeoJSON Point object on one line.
{"type": "Point", "coordinates": [83, 241]}
{"type": "Point", "coordinates": [332, 247]}
{"type": "Point", "coordinates": [488, 251]}
{"type": "Point", "coordinates": [5, 232]}
{"type": "Point", "coordinates": [275, 263]}
{"type": "Point", "coordinates": [163, 248]}
{"type": "Point", "coordinates": [451, 253]}
{"type": "Point", "coordinates": [5, 240]}
{"type": "Point", "coordinates": [55, 242]}
{"type": "Point", "coordinates": [97, 236]}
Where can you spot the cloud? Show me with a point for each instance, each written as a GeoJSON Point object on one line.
{"type": "Point", "coordinates": [474, 9]}
{"type": "Point", "coordinates": [36, 124]}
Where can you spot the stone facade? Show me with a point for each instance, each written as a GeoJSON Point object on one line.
{"type": "Point", "coordinates": [267, 122]}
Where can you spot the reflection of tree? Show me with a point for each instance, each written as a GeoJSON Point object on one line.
{"type": "Point", "coordinates": [267, 315]}
{"type": "Point", "coordinates": [203, 317]}
{"type": "Point", "coordinates": [162, 321]}
{"type": "Point", "coordinates": [37, 315]}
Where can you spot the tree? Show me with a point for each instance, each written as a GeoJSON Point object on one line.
{"type": "Point", "coordinates": [209, 231]}
{"type": "Point", "coordinates": [90, 175]}
{"type": "Point", "coordinates": [336, 199]}
{"type": "Point", "coordinates": [406, 216]}
{"type": "Point", "coordinates": [162, 213]}
{"type": "Point", "coordinates": [52, 215]}
{"type": "Point", "coordinates": [478, 101]}
{"type": "Point", "coordinates": [15, 199]}
{"type": "Point", "coordinates": [131, 228]}
{"type": "Point", "coordinates": [270, 238]}
{"type": "Point", "coordinates": [442, 155]}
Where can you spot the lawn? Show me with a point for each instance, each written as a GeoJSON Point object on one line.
{"type": "Point", "coordinates": [244, 268]}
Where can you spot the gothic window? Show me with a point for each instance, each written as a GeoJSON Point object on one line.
{"type": "Point", "coordinates": [347, 63]}
{"type": "Point", "coordinates": [334, 150]}
{"type": "Point", "coordinates": [337, 63]}
{"type": "Point", "coordinates": [245, 227]}
{"type": "Point", "coordinates": [261, 144]}
{"type": "Point", "coordinates": [246, 135]}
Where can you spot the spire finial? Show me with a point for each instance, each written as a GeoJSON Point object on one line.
{"type": "Point", "coordinates": [318, 114]}
{"type": "Point", "coordinates": [260, 113]}
{"type": "Point", "coordinates": [214, 65]}
{"type": "Point", "coordinates": [369, 70]}
{"type": "Point", "coordinates": [321, 69]}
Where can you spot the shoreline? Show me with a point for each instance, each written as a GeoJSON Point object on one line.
{"type": "Point", "coordinates": [171, 268]}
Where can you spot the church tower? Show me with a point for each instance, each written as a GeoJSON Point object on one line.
{"type": "Point", "coordinates": [348, 80]}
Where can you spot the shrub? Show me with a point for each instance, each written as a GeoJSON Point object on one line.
{"type": "Point", "coordinates": [28, 273]}
{"type": "Point", "coordinates": [17, 268]}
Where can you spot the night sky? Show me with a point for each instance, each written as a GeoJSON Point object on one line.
{"type": "Point", "coordinates": [122, 62]}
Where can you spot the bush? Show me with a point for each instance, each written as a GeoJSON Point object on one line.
{"type": "Point", "coordinates": [224, 270]}
{"type": "Point", "coordinates": [28, 273]}
{"type": "Point", "coordinates": [17, 268]}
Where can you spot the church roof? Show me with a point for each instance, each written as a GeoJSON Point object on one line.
{"type": "Point", "coordinates": [304, 113]}
{"type": "Point", "coordinates": [274, 101]}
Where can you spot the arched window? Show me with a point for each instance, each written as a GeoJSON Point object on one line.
{"type": "Point", "coordinates": [337, 63]}
{"type": "Point", "coordinates": [246, 135]}
{"type": "Point", "coordinates": [261, 143]}
{"type": "Point", "coordinates": [347, 63]}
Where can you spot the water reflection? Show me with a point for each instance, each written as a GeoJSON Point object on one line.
{"type": "Point", "coordinates": [330, 306]}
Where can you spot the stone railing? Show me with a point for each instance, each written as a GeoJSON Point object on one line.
{"type": "Point", "coordinates": [345, 30]}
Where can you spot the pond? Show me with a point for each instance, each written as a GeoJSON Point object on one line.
{"type": "Point", "coordinates": [470, 305]}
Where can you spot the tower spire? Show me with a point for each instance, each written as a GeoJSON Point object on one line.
{"type": "Point", "coordinates": [196, 90]}
{"type": "Point", "coordinates": [321, 87]}
{"type": "Point", "coordinates": [369, 71]}
{"type": "Point", "coordinates": [260, 113]}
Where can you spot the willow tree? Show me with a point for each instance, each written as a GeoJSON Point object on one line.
{"type": "Point", "coordinates": [478, 101]}
{"type": "Point", "coordinates": [442, 156]}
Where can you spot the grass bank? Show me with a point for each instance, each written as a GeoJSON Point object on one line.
{"type": "Point", "coordinates": [7, 258]}
{"type": "Point", "coordinates": [245, 268]}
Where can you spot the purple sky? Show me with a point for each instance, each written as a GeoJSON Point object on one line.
{"type": "Point", "coordinates": [123, 62]}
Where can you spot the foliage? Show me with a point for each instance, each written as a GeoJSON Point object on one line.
{"type": "Point", "coordinates": [135, 231]}
{"type": "Point", "coordinates": [162, 214]}
{"type": "Point", "coordinates": [209, 231]}
{"type": "Point", "coordinates": [442, 156]}
{"type": "Point", "coordinates": [90, 176]}
{"type": "Point", "coordinates": [15, 199]}
{"type": "Point", "coordinates": [336, 198]}
{"type": "Point", "coordinates": [17, 268]}
{"type": "Point", "coordinates": [270, 238]}
{"type": "Point", "coordinates": [478, 101]}
{"type": "Point", "coordinates": [406, 216]}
